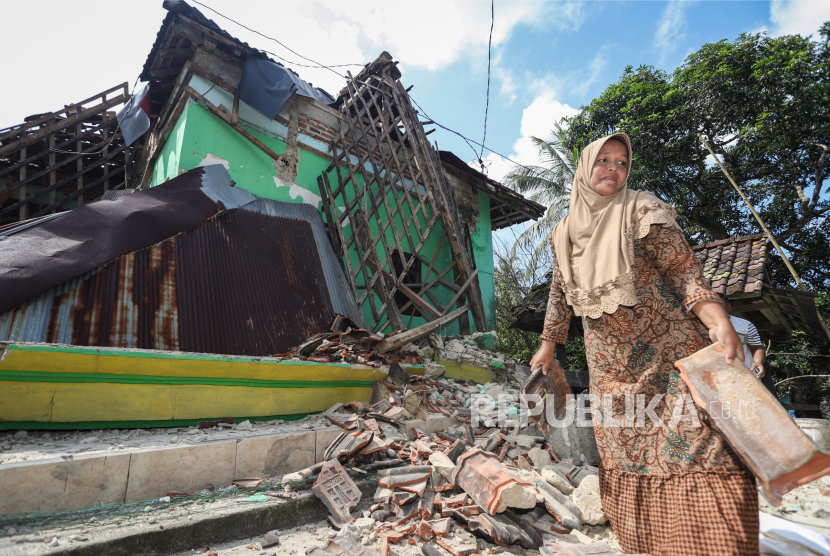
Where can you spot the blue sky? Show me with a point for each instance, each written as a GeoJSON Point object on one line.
{"type": "Point", "coordinates": [548, 58]}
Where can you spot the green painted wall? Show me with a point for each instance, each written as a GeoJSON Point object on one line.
{"type": "Point", "coordinates": [198, 137]}
{"type": "Point", "coordinates": [482, 241]}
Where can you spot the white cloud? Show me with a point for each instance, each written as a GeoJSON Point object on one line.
{"type": "Point", "coordinates": [423, 34]}
{"type": "Point", "coordinates": [432, 35]}
{"type": "Point", "coordinates": [537, 121]}
{"type": "Point", "coordinates": [670, 29]}
{"type": "Point", "coordinates": [798, 17]}
{"type": "Point", "coordinates": [597, 66]}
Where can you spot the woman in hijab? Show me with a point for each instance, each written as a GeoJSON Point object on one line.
{"type": "Point", "coordinates": [669, 486]}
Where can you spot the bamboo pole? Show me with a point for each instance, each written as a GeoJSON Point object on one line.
{"type": "Point", "coordinates": [764, 227]}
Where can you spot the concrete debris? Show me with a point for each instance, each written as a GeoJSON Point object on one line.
{"type": "Point", "coordinates": [270, 539]}
{"type": "Point", "coordinates": [555, 478]}
{"type": "Point", "coordinates": [586, 497]}
{"type": "Point", "coordinates": [352, 345]}
{"type": "Point", "coordinates": [445, 470]}
{"type": "Point", "coordinates": [443, 464]}
{"type": "Point", "coordinates": [540, 458]}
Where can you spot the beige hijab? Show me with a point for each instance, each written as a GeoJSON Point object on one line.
{"type": "Point", "coordinates": [594, 242]}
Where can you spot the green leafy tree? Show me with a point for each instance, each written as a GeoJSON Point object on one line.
{"type": "Point", "coordinates": [763, 104]}
{"type": "Point", "coordinates": [549, 184]}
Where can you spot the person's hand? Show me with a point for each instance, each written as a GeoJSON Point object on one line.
{"type": "Point", "coordinates": [545, 357]}
{"type": "Point", "coordinates": [724, 333]}
{"type": "Point", "coordinates": [758, 369]}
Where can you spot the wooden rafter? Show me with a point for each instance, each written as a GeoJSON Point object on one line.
{"type": "Point", "coordinates": [389, 194]}
{"type": "Point", "coordinates": [62, 159]}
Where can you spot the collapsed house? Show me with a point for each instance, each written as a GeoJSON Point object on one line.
{"type": "Point", "coordinates": [243, 209]}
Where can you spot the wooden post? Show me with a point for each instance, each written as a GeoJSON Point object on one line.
{"type": "Point", "coordinates": [79, 164]}
{"type": "Point", "coordinates": [24, 209]}
{"type": "Point", "coordinates": [53, 195]}
{"type": "Point", "coordinates": [764, 227]}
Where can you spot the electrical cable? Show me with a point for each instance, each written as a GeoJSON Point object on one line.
{"type": "Point", "coordinates": [467, 139]}
{"type": "Point", "coordinates": [279, 43]}
{"type": "Point", "coordinates": [487, 106]}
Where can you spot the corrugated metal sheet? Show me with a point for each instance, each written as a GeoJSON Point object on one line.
{"type": "Point", "coordinates": [339, 289]}
{"type": "Point", "coordinates": [255, 280]}
{"type": "Point", "coordinates": [40, 258]}
{"type": "Point", "coordinates": [249, 285]}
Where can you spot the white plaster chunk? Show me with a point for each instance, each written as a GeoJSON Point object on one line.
{"type": "Point", "coordinates": [517, 496]}
{"type": "Point", "coordinates": [580, 536]}
{"type": "Point", "coordinates": [442, 464]}
{"type": "Point", "coordinates": [382, 494]}
{"type": "Point", "coordinates": [586, 497]}
{"type": "Point", "coordinates": [539, 457]}
{"type": "Point", "coordinates": [291, 478]}
{"type": "Point", "coordinates": [365, 524]}
{"type": "Point", "coordinates": [557, 480]}
{"type": "Point", "coordinates": [297, 192]}
{"type": "Point", "coordinates": [523, 441]}
{"type": "Point", "coordinates": [210, 159]}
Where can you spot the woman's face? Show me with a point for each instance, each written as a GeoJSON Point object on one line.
{"type": "Point", "coordinates": [610, 169]}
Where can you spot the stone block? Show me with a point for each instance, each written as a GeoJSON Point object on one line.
{"type": "Point", "coordinates": [53, 485]}
{"type": "Point", "coordinates": [270, 456]}
{"type": "Point", "coordinates": [154, 473]}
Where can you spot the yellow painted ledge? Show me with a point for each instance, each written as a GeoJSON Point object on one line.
{"type": "Point", "coordinates": [466, 372]}
{"type": "Point", "coordinates": [67, 402]}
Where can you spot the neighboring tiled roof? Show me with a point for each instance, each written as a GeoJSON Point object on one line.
{"type": "Point", "coordinates": [734, 265]}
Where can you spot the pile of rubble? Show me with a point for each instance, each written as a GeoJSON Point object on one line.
{"type": "Point", "coordinates": [346, 343]}
{"type": "Point", "coordinates": [461, 490]}
{"type": "Point", "coordinates": [478, 349]}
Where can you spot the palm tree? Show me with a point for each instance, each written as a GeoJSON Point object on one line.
{"type": "Point", "coordinates": [548, 184]}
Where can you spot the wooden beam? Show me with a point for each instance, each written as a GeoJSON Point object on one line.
{"type": "Point", "coordinates": [399, 340]}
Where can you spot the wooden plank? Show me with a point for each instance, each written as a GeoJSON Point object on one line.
{"type": "Point", "coordinates": [466, 285]}
{"type": "Point", "coordinates": [15, 130]}
{"type": "Point", "coordinates": [72, 195]}
{"type": "Point", "coordinates": [55, 186]}
{"type": "Point", "coordinates": [407, 263]}
{"type": "Point", "coordinates": [427, 160]}
{"type": "Point", "coordinates": [24, 208]}
{"type": "Point", "coordinates": [51, 167]}
{"type": "Point", "coordinates": [400, 340]}
{"type": "Point", "coordinates": [225, 118]}
{"type": "Point", "coordinates": [62, 146]}
{"type": "Point", "coordinates": [175, 52]}
{"type": "Point", "coordinates": [72, 120]}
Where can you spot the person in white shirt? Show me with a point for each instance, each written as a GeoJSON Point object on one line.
{"type": "Point", "coordinates": [754, 352]}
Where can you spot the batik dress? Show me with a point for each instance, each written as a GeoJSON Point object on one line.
{"type": "Point", "coordinates": [666, 490]}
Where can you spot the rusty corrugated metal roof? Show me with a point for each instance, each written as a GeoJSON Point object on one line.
{"type": "Point", "coordinates": [39, 258]}
{"type": "Point", "coordinates": [256, 280]}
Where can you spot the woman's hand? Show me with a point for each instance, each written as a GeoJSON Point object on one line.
{"type": "Point", "coordinates": [716, 319]}
{"type": "Point", "coordinates": [545, 357]}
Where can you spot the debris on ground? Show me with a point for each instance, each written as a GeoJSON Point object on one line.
{"type": "Point", "coordinates": [459, 489]}
{"type": "Point", "coordinates": [346, 343]}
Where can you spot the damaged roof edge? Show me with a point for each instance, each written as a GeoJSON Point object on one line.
{"type": "Point", "coordinates": [129, 221]}
{"type": "Point", "coordinates": [514, 201]}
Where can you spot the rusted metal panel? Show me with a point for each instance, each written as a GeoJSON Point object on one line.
{"type": "Point", "coordinates": [192, 265]}
{"type": "Point", "coordinates": [42, 257]}
{"type": "Point", "coordinates": [245, 282]}
{"type": "Point", "coordinates": [249, 285]}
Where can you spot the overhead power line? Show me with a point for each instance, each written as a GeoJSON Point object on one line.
{"type": "Point", "coordinates": [487, 106]}
{"type": "Point", "coordinates": [323, 66]}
